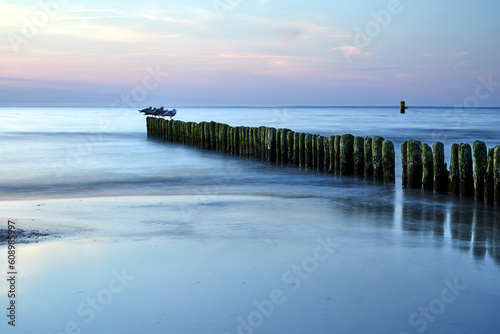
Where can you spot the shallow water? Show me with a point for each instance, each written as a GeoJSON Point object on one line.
{"type": "Point", "coordinates": [218, 244]}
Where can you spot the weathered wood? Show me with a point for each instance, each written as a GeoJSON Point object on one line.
{"type": "Point", "coordinates": [271, 145]}
{"type": "Point", "coordinates": [480, 163]}
{"type": "Point", "coordinates": [308, 150]}
{"type": "Point", "coordinates": [336, 145]}
{"type": "Point", "coordinates": [326, 154]}
{"type": "Point", "coordinates": [440, 168]}
{"type": "Point", "coordinates": [290, 146]}
{"type": "Point", "coordinates": [466, 172]}
{"type": "Point", "coordinates": [331, 149]}
{"type": "Point", "coordinates": [377, 142]}
{"type": "Point", "coordinates": [489, 185]}
{"type": "Point", "coordinates": [347, 154]}
{"type": "Point", "coordinates": [453, 177]}
{"type": "Point", "coordinates": [296, 148]}
{"type": "Point", "coordinates": [404, 162]}
{"type": "Point", "coordinates": [368, 169]}
{"type": "Point", "coordinates": [320, 153]}
{"type": "Point", "coordinates": [388, 161]}
{"type": "Point", "coordinates": [359, 156]}
{"type": "Point", "coordinates": [496, 173]}
{"type": "Point", "coordinates": [428, 167]}
{"type": "Point", "coordinates": [302, 150]}
{"type": "Point", "coordinates": [414, 153]}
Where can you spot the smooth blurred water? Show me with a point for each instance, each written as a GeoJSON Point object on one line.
{"type": "Point", "coordinates": [208, 235]}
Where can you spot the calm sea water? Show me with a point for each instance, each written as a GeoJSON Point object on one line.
{"type": "Point", "coordinates": [219, 244]}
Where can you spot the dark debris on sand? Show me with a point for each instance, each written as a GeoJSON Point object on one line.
{"type": "Point", "coordinates": [23, 236]}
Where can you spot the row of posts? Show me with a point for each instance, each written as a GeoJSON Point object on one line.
{"type": "Point", "coordinates": [341, 155]}
{"type": "Point", "coordinates": [474, 172]}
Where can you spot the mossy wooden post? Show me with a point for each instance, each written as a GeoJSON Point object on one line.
{"type": "Point", "coordinates": [262, 143]}
{"type": "Point", "coordinates": [331, 149]}
{"type": "Point", "coordinates": [440, 168]}
{"type": "Point", "coordinates": [347, 154]}
{"type": "Point", "coordinates": [336, 145]}
{"type": "Point", "coordinates": [428, 167]}
{"type": "Point", "coordinates": [290, 145]}
{"type": "Point", "coordinates": [278, 146]}
{"type": "Point", "coordinates": [359, 156]}
{"type": "Point", "coordinates": [237, 143]}
{"type": "Point", "coordinates": [225, 136]}
{"type": "Point", "coordinates": [466, 172]}
{"type": "Point", "coordinates": [253, 149]}
{"type": "Point", "coordinates": [453, 177]}
{"type": "Point", "coordinates": [296, 148]}
{"type": "Point", "coordinates": [326, 154]}
{"type": "Point", "coordinates": [320, 153]}
{"type": "Point", "coordinates": [404, 162]}
{"type": "Point", "coordinates": [388, 161]}
{"type": "Point", "coordinates": [284, 147]}
{"type": "Point", "coordinates": [207, 135]}
{"type": "Point", "coordinates": [308, 150]}
{"type": "Point", "coordinates": [230, 141]}
{"type": "Point", "coordinates": [271, 145]}
{"type": "Point", "coordinates": [480, 161]}
{"type": "Point", "coordinates": [496, 174]}
{"type": "Point", "coordinates": [378, 173]}
{"type": "Point", "coordinates": [302, 150]}
{"type": "Point", "coordinates": [211, 145]}
{"type": "Point", "coordinates": [313, 152]}
{"type": "Point", "coordinates": [414, 154]}
{"type": "Point", "coordinates": [489, 186]}
{"type": "Point", "coordinates": [368, 168]}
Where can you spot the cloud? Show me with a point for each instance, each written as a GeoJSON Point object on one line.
{"type": "Point", "coordinates": [350, 50]}
{"type": "Point", "coordinates": [401, 76]}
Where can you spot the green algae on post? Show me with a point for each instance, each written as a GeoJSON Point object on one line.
{"type": "Point", "coordinates": [428, 167]}
{"type": "Point", "coordinates": [465, 171]}
{"type": "Point", "coordinates": [359, 156]}
{"type": "Point", "coordinates": [453, 177]}
{"type": "Point", "coordinates": [440, 168]}
{"type": "Point", "coordinates": [347, 154]}
{"type": "Point", "coordinates": [378, 173]}
{"type": "Point", "coordinates": [480, 161]}
{"type": "Point", "coordinates": [414, 164]}
{"type": "Point", "coordinates": [368, 157]}
{"type": "Point", "coordinates": [388, 161]}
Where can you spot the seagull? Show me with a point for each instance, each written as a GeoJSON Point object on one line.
{"type": "Point", "coordinates": [159, 112]}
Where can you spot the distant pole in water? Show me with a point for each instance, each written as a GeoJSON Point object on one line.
{"type": "Point", "coordinates": [403, 107]}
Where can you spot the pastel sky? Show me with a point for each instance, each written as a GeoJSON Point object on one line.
{"type": "Point", "coordinates": [249, 52]}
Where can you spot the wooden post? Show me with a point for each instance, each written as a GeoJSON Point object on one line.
{"type": "Point", "coordinates": [496, 173]}
{"type": "Point", "coordinates": [336, 145]}
{"type": "Point", "coordinates": [290, 146]}
{"type": "Point", "coordinates": [308, 150]}
{"type": "Point", "coordinates": [296, 148]}
{"type": "Point", "coordinates": [359, 156]}
{"type": "Point", "coordinates": [347, 154]}
{"type": "Point", "coordinates": [331, 149]}
{"type": "Point", "coordinates": [368, 157]}
{"type": "Point", "coordinates": [284, 147]}
{"type": "Point", "coordinates": [403, 107]}
{"type": "Point", "coordinates": [453, 177]}
{"type": "Point", "coordinates": [377, 157]}
{"type": "Point", "coordinates": [404, 162]}
{"type": "Point", "coordinates": [388, 161]}
{"type": "Point", "coordinates": [302, 150]}
{"type": "Point", "coordinates": [414, 153]}
{"type": "Point", "coordinates": [320, 153]}
{"type": "Point", "coordinates": [465, 170]}
{"type": "Point", "coordinates": [440, 168]}
{"type": "Point", "coordinates": [428, 167]}
{"type": "Point", "coordinates": [480, 161]}
{"type": "Point", "coordinates": [326, 154]}
{"type": "Point", "coordinates": [489, 186]}
{"type": "Point", "coordinates": [271, 145]}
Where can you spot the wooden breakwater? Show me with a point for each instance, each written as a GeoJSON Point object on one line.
{"type": "Point", "coordinates": [341, 155]}
{"type": "Point", "coordinates": [474, 173]}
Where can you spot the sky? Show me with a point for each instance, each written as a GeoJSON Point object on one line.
{"type": "Point", "coordinates": [249, 53]}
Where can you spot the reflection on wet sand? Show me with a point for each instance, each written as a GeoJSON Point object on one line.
{"type": "Point", "coordinates": [473, 226]}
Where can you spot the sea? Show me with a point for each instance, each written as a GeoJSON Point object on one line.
{"type": "Point", "coordinates": [147, 236]}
